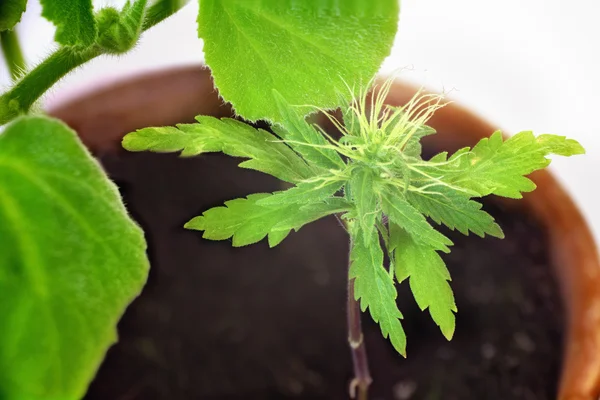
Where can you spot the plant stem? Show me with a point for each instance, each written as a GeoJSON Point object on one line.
{"type": "Point", "coordinates": [19, 99]}
{"type": "Point", "coordinates": [362, 377]}
{"type": "Point", "coordinates": [11, 49]}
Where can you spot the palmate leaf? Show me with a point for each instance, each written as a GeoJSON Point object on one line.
{"type": "Point", "coordinates": [400, 212]}
{"type": "Point", "coordinates": [374, 287]}
{"type": "Point", "coordinates": [247, 222]}
{"type": "Point", "coordinates": [74, 21]}
{"type": "Point", "coordinates": [428, 277]}
{"type": "Point", "coordinates": [497, 166]}
{"type": "Point", "coordinates": [265, 151]}
{"type": "Point", "coordinates": [454, 209]}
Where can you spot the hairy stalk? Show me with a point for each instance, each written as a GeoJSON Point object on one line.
{"type": "Point", "coordinates": [20, 98]}
{"type": "Point", "coordinates": [359, 386]}
{"type": "Point", "coordinates": [11, 49]}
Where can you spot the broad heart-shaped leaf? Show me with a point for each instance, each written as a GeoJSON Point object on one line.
{"type": "Point", "coordinates": [71, 260]}
{"type": "Point", "coordinates": [400, 212]}
{"type": "Point", "coordinates": [497, 166]}
{"type": "Point", "coordinates": [265, 152]}
{"type": "Point", "coordinates": [454, 209]}
{"type": "Point", "coordinates": [428, 278]}
{"type": "Point", "coordinates": [247, 222]}
{"type": "Point", "coordinates": [10, 13]}
{"type": "Point", "coordinates": [374, 286]}
{"type": "Point", "coordinates": [306, 50]}
{"type": "Point", "coordinates": [74, 21]}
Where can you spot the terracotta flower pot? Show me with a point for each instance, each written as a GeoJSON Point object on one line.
{"type": "Point", "coordinates": [162, 334]}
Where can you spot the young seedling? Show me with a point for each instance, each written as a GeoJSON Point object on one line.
{"type": "Point", "coordinates": [376, 181]}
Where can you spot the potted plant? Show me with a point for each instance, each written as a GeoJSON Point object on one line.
{"type": "Point", "coordinates": [272, 100]}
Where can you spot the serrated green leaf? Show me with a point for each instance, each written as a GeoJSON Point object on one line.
{"type": "Point", "coordinates": [303, 137]}
{"type": "Point", "coordinates": [455, 210]}
{"type": "Point", "coordinates": [304, 192]}
{"type": "Point", "coordinates": [362, 188]}
{"type": "Point", "coordinates": [71, 260]}
{"type": "Point", "coordinates": [10, 13]}
{"type": "Point", "coordinates": [559, 145]}
{"type": "Point", "coordinates": [400, 212]}
{"type": "Point", "coordinates": [313, 212]}
{"type": "Point", "coordinates": [374, 287]}
{"type": "Point", "coordinates": [305, 50]}
{"type": "Point", "coordinates": [276, 237]}
{"type": "Point", "coordinates": [247, 222]}
{"type": "Point", "coordinates": [74, 21]}
{"type": "Point", "coordinates": [265, 151]}
{"type": "Point", "coordinates": [497, 166]}
{"type": "Point", "coordinates": [428, 277]}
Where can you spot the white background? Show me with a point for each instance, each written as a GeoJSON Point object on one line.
{"type": "Point", "coordinates": [522, 64]}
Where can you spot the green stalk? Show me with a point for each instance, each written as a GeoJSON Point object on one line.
{"type": "Point", "coordinates": [20, 98]}
{"type": "Point", "coordinates": [11, 49]}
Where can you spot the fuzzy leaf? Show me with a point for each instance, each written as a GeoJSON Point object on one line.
{"type": "Point", "coordinates": [74, 21]}
{"type": "Point", "coordinates": [497, 166]}
{"type": "Point", "coordinates": [10, 13]}
{"type": "Point", "coordinates": [71, 260]}
{"type": "Point", "coordinates": [374, 287]}
{"type": "Point", "coordinates": [304, 192]}
{"type": "Point", "coordinates": [266, 153]}
{"type": "Point", "coordinates": [428, 278]}
{"type": "Point", "coordinates": [455, 210]}
{"type": "Point", "coordinates": [247, 222]}
{"type": "Point", "coordinates": [306, 50]}
{"type": "Point", "coordinates": [409, 218]}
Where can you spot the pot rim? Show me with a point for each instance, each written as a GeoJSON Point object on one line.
{"type": "Point", "coordinates": [189, 91]}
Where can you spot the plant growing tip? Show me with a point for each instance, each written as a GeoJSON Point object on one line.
{"type": "Point", "coordinates": [375, 179]}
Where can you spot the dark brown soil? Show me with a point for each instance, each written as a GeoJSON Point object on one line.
{"type": "Point", "coordinates": [216, 322]}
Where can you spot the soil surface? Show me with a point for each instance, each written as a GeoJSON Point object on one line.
{"type": "Point", "coordinates": [217, 322]}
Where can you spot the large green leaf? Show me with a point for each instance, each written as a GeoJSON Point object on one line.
{"type": "Point", "coordinates": [10, 13]}
{"type": "Point", "coordinates": [71, 260]}
{"type": "Point", "coordinates": [306, 50]}
{"type": "Point", "coordinates": [74, 20]}
{"type": "Point", "coordinates": [265, 152]}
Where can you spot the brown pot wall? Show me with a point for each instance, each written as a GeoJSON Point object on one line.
{"type": "Point", "coordinates": [177, 95]}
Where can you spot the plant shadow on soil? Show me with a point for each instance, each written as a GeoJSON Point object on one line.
{"type": "Point", "coordinates": [216, 322]}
